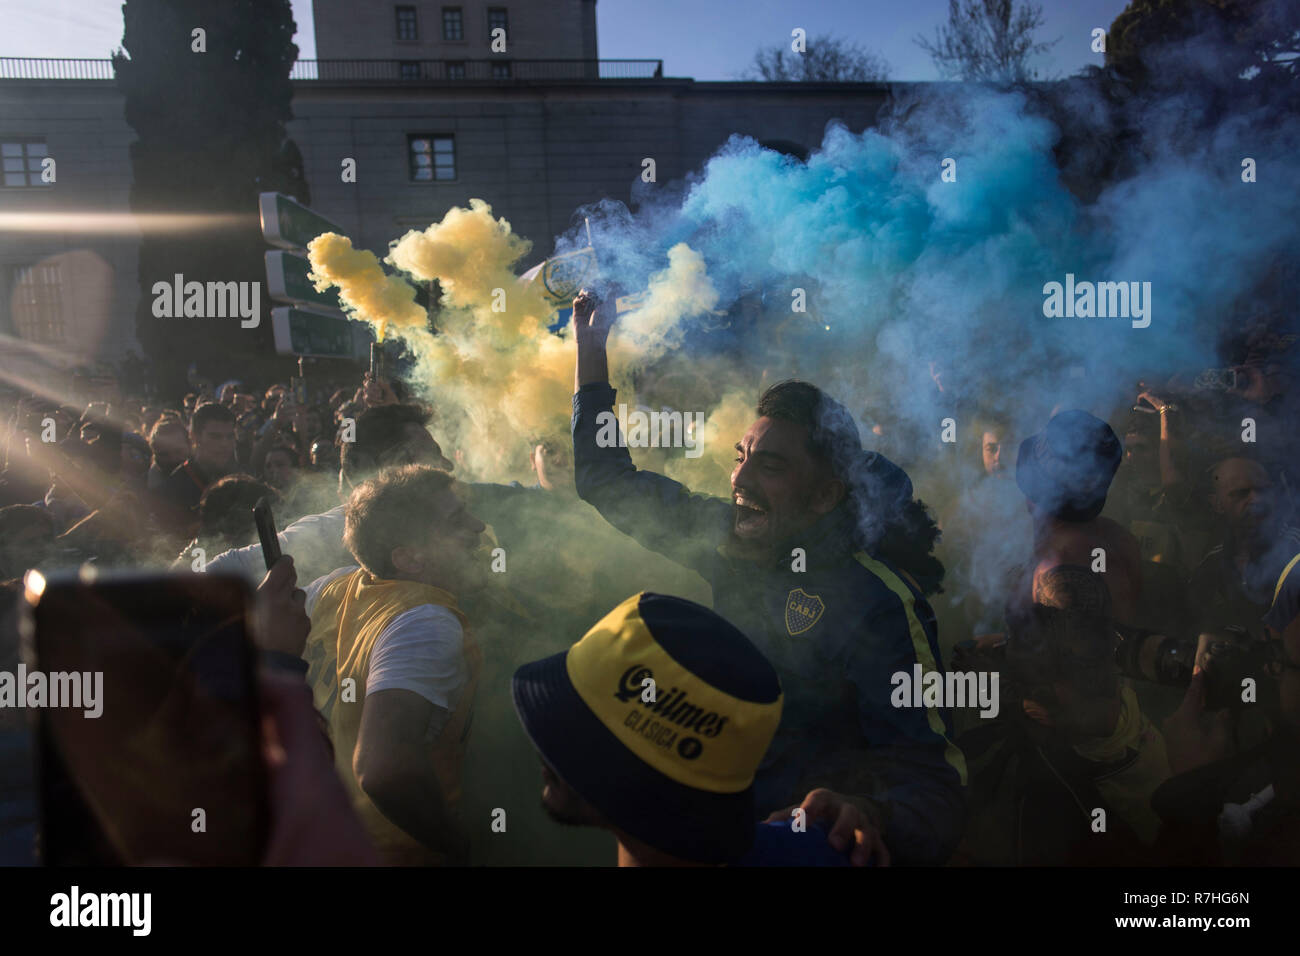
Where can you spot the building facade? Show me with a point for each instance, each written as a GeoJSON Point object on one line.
{"type": "Point", "coordinates": [455, 32]}
{"type": "Point", "coordinates": [537, 145]}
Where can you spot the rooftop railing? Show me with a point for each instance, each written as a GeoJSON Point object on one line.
{"type": "Point", "coordinates": [40, 68]}
{"type": "Point", "coordinates": [475, 70]}
{"type": "Point", "coordinates": [372, 71]}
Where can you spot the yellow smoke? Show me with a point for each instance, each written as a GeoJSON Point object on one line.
{"type": "Point", "coordinates": [723, 426]}
{"type": "Point", "coordinates": [679, 291]}
{"type": "Point", "coordinates": [370, 293]}
{"type": "Point", "coordinates": [472, 255]}
{"type": "Point", "coordinates": [496, 378]}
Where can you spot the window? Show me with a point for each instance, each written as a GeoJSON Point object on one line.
{"type": "Point", "coordinates": [37, 312]}
{"type": "Point", "coordinates": [501, 71]}
{"type": "Point", "coordinates": [453, 24]}
{"type": "Point", "coordinates": [22, 162]}
{"type": "Point", "coordinates": [410, 69]}
{"type": "Point", "coordinates": [433, 157]}
{"type": "Point", "coordinates": [497, 19]}
{"type": "Point", "coordinates": [406, 25]}
{"type": "Point", "coordinates": [455, 71]}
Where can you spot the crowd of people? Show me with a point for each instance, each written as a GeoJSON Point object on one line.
{"type": "Point", "coordinates": [715, 680]}
{"type": "Point", "coordinates": [134, 482]}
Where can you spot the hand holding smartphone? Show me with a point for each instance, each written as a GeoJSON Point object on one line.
{"type": "Point", "coordinates": [266, 533]}
{"type": "Point", "coordinates": [153, 753]}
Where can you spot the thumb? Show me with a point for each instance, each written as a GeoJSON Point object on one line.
{"type": "Point", "coordinates": [1194, 699]}
{"type": "Point", "coordinates": [780, 816]}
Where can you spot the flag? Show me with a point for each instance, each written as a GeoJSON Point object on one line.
{"type": "Point", "coordinates": [563, 276]}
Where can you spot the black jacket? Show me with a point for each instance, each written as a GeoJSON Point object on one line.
{"type": "Point", "coordinates": [836, 634]}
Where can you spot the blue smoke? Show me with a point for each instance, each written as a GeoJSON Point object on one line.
{"type": "Point", "coordinates": [920, 279]}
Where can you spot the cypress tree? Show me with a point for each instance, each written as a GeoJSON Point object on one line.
{"type": "Point", "coordinates": [209, 112]}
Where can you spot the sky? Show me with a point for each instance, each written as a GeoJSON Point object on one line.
{"type": "Point", "coordinates": [704, 39]}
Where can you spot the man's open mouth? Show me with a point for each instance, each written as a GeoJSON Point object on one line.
{"type": "Point", "coordinates": [751, 518]}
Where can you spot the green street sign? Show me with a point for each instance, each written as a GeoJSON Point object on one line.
{"type": "Point", "coordinates": [318, 333]}
{"type": "Point", "coordinates": [286, 281]}
{"type": "Point", "coordinates": [290, 225]}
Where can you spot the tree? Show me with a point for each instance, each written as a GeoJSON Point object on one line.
{"type": "Point", "coordinates": [987, 41]}
{"type": "Point", "coordinates": [209, 113]}
{"type": "Point", "coordinates": [826, 60]}
{"type": "Point", "coordinates": [1249, 37]}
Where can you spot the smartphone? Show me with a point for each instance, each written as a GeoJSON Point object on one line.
{"type": "Point", "coordinates": [148, 747]}
{"type": "Point", "coordinates": [266, 532]}
{"type": "Point", "coordinates": [376, 362]}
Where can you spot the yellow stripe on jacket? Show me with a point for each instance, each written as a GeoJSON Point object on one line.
{"type": "Point", "coordinates": [921, 646]}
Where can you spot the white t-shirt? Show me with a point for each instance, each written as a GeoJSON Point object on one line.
{"type": "Point", "coordinates": [315, 543]}
{"type": "Point", "coordinates": [421, 650]}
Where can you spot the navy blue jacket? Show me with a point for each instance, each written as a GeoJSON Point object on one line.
{"type": "Point", "coordinates": [836, 633]}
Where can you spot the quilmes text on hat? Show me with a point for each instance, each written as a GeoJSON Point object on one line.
{"type": "Point", "coordinates": [658, 717]}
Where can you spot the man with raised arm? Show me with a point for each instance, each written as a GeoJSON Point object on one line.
{"type": "Point", "coordinates": [822, 558]}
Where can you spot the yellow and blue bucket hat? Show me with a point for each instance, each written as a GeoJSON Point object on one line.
{"type": "Point", "coordinates": [659, 718]}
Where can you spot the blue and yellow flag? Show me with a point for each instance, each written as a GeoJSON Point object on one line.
{"type": "Point", "coordinates": [562, 277]}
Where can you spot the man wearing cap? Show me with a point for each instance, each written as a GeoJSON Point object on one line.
{"type": "Point", "coordinates": [652, 727]}
{"type": "Point", "coordinates": [1065, 472]}
{"type": "Point", "coordinates": [797, 561]}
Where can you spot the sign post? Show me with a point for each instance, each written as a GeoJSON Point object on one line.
{"type": "Point", "coordinates": [318, 333]}
{"type": "Point", "coordinates": [312, 323]}
{"type": "Point", "coordinates": [290, 225]}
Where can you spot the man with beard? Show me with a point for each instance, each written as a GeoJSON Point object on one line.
{"type": "Point", "coordinates": [1234, 583]}
{"type": "Point", "coordinates": [820, 559]}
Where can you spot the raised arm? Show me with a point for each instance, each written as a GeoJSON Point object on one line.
{"type": "Point", "coordinates": [591, 325]}
{"type": "Point", "coordinates": [658, 512]}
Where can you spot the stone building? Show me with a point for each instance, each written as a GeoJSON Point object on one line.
{"type": "Point", "coordinates": [430, 121]}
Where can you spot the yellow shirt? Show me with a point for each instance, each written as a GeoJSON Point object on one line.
{"type": "Point", "coordinates": [350, 614]}
{"type": "Point", "coordinates": [1129, 791]}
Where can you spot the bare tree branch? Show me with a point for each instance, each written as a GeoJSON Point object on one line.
{"type": "Point", "coordinates": [826, 60]}
{"type": "Point", "coordinates": [987, 41]}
